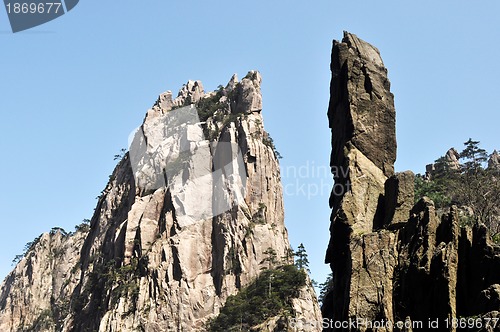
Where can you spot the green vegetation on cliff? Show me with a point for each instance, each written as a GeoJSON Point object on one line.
{"type": "Point", "coordinates": [268, 296]}
{"type": "Point", "coordinates": [469, 184]}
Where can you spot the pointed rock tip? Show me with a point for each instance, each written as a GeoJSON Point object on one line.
{"type": "Point", "coordinates": [347, 33]}
{"type": "Point", "coordinates": [365, 50]}
{"type": "Point", "coordinates": [255, 77]}
{"type": "Point", "coordinates": [192, 85]}
{"type": "Point", "coordinates": [232, 82]}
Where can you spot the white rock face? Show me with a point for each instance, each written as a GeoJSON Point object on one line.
{"type": "Point", "coordinates": [183, 223]}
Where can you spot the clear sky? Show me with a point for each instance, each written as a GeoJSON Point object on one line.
{"type": "Point", "coordinates": [72, 90]}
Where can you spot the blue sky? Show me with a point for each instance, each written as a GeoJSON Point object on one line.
{"type": "Point", "coordinates": [72, 90]}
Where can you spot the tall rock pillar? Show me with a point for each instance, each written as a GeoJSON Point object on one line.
{"type": "Point", "coordinates": [362, 119]}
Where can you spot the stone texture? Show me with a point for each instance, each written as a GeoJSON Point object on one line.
{"type": "Point", "coordinates": [392, 260]}
{"type": "Point", "coordinates": [451, 158]}
{"type": "Point", "coordinates": [494, 161]}
{"type": "Point", "coordinates": [249, 96]}
{"type": "Point", "coordinates": [428, 260]}
{"type": "Point", "coordinates": [362, 118]}
{"type": "Point", "coordinates": [374, 257]}
{"type": "Point", "coordinates": [164, 102]}
{"type": "Point", "coordinates": [191, 92]}
{"type": "Point", "coordinates": [305, 308]}
{"type": "Point", "coordinates": [489, 299]}
{"type": "Point", "coordinates": [450, 162]}
{"type": "Point", "coordinates": [363, 191]}
{"type": "Point", "coordinates": [42, 283]}
{"type": "Point", "coordinates": [361, 106]}
{"type": "Point", "coordinates": [146, 264]}
{"type": "Point", "coordinates": [399, 198]}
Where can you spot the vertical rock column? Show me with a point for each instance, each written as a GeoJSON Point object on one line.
{"type": "Point", "coordinates": [393, 261]}
{"type": "Point", "coordinates": [362, 119]}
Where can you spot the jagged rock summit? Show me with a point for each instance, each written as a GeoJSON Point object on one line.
{"type": "Point", "coordinates": [361, 111]}
{"type": "Point", "coordinates": [494, 160]}
{"type": "Point", "coordinates": [393, 261]}
{"type": "Point", "coordinates": [450, 162]}
{"type": "Point", "coordinates": [162, 251]}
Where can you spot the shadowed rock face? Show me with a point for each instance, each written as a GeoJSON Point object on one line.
{"type": "Point", "coordinates": [361, 109]}
{"type": "Point", "coordinates": [146, 264]}
{"type": "Point", "coordinates": [392, 260]}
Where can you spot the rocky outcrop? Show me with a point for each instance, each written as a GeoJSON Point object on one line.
{"type": "Point", "coordinates": [362, 119]}
{"type": "Point", "coordinates": [450, 162]}
{"type": "Point", "coordinates": [361, 109]}
{"type": "Point", "coordinates": [398, 196]}
{"type": "Point", "coordinates": [393, 261]}
{"type": "Point", "coordinates": [36, 295]}
{"type": "Point", "coordinates": [494, 161]}
{"type": "Point", "coordinates": [451, 158]}
{"type": "Point", "coordinates": [184, 222]}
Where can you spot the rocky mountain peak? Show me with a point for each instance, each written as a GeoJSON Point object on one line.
{"type": "Point", "coordinates": [361, 109]}
{"type": "Point", "coordinates": [494, 160]}
{"type": "Point", "coordinates": [191, 92]}
{"type": "Point", "coordinates": [365, 51]}
{"type": "Point", "coordinates": [232, 82]}
{"type": "Point", "coordinates": [452, 159]}
{"type": "Point", "coordinates": [192, 214]}
{"type": "Point", "coordinates": [393, 260]}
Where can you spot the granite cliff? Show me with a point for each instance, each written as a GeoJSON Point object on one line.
{"type": "Point", "coordinates": [189, 217]}
{"type": "Point", "coordinates": [392, 260]}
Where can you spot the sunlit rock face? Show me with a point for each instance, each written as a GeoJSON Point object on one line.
{"type": "Point", "coordinates": [182, 224]}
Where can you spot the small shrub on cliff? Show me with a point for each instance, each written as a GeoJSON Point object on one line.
{"type": "Point", "coordinates": [44, 321]}
{"type": "Point", "coordinates": [84, 226]}
{"type": "Point", "coordinates": [325, 288]}
{"type": "Point", "coordinates": [56, 230]}
{"type": "Point", "coordinates": [27, 248]}
{"type": "Point", "coordinates": [208, 106]}
{"type": "Point", "coordinates": [268, 141]}
{"type": "Point", "coordinates": [120, 155]}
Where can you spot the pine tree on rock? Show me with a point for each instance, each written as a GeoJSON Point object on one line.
{"type": "Point", "coordinates": [301, 261]}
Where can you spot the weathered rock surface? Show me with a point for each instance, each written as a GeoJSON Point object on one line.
{"type": "Point", "coordinates": [162, 252]}
{"type": "Point", "coordinates": [494, 161]}
{"type": "Point", "coordinates": [399, 197]}
{"type": "Point", "coordinates": [450, 162]}
{"type": "Point", "coordinates": [393, 261]}
{"type": "Point", "coordinates": [36, 295]}
{"type": "Point", "coordinates": [451, 157]}
{"type": "Point", "coordinates": [361, 109]}
{"type": "Point", "coordinates": [362, 118]}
